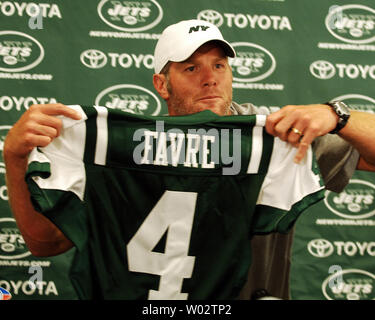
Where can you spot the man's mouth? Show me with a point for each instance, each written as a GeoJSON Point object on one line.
{"type": "Point", "coordinates": [209, 98]}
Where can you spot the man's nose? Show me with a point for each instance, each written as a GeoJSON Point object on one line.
{"type": "Point", "coordinates": [209, 78]}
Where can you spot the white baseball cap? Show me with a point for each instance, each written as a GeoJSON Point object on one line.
{"type": "Point", "coordinates": [179, 41]}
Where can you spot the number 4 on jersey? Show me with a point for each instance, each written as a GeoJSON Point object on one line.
{"type": "Point", "coordinates": [173, 212]}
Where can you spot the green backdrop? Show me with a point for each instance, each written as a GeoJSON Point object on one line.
{"type": "Point", "coordinates": [288, 52]}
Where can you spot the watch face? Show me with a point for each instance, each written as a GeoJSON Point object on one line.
{"type": "Point", "coordinates": [343, 107]}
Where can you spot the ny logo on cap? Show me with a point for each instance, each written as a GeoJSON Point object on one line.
{"type": "Point", "coordinates": [196, 28]}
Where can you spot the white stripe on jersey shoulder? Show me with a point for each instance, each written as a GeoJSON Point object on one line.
{"type": "Point", "coordinates": [102, 135]}
{"type": "Point", "coordinates": [256, 150]}
{"type": "Point", "coordinates": [257, 144]}
{"type": "Point", "coordinates": [261, 120]}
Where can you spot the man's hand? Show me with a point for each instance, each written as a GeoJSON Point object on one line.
{"type": "Point", "coordinates": [300, 125]}
{"type": "Point", "coordinates": [37, 127]}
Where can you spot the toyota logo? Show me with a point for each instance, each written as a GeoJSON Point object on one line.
{"type": "Point", "coordinates": [322, 69]}
{"type": "Point", "coordinates": [93, 58]}
{"type": "Point", "coordinates": [320, 248]}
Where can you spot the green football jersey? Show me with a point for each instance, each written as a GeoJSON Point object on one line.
{"type": "Point", "coordinates": [165, 207]}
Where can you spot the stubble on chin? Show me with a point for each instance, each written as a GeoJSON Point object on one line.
{"type": "Point", "coordinates": [182, 107]}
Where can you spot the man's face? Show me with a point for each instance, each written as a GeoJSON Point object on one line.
{"type": "Point", "coordinates": [202, 82]}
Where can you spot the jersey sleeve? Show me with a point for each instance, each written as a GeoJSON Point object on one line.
{"type": "Point", "coordinates": [56, 175]}
{"type": "Point", "coordinates": [287, 190]}
{"type": "Point", "coordinates": [337, 160]}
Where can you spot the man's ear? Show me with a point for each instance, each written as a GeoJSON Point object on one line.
{"type": "Point", "coordinates": [160, 83]}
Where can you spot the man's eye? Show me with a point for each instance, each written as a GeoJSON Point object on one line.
{"type": "Point", "coordinates": [190, 69]}
{"type": "Point", "coordinates": [219, 66]}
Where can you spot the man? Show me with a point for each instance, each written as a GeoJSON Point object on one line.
{"type": "Point", "coordinates": [202, 79]}
{"type": "Point", "coordinates": [192, 74]}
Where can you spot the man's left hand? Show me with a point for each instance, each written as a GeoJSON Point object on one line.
{"type": "Point", "coordinates": [301, 124]}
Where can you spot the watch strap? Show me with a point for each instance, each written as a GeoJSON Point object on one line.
{"type": "Point", "coordinates": [342, 112]}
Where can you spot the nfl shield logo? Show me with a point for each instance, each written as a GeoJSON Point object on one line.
{"type": "Point", "coordinates": [4, 294]}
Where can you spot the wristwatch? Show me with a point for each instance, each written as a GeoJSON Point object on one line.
{"type": "Point", "coordinates": [343, 112]}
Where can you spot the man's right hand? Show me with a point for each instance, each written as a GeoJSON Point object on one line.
{"type": "Point", "coordinates": [37, 127]}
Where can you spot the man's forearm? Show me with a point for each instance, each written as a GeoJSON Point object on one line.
{"type": "Point", "coordinates": [360, 133]}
